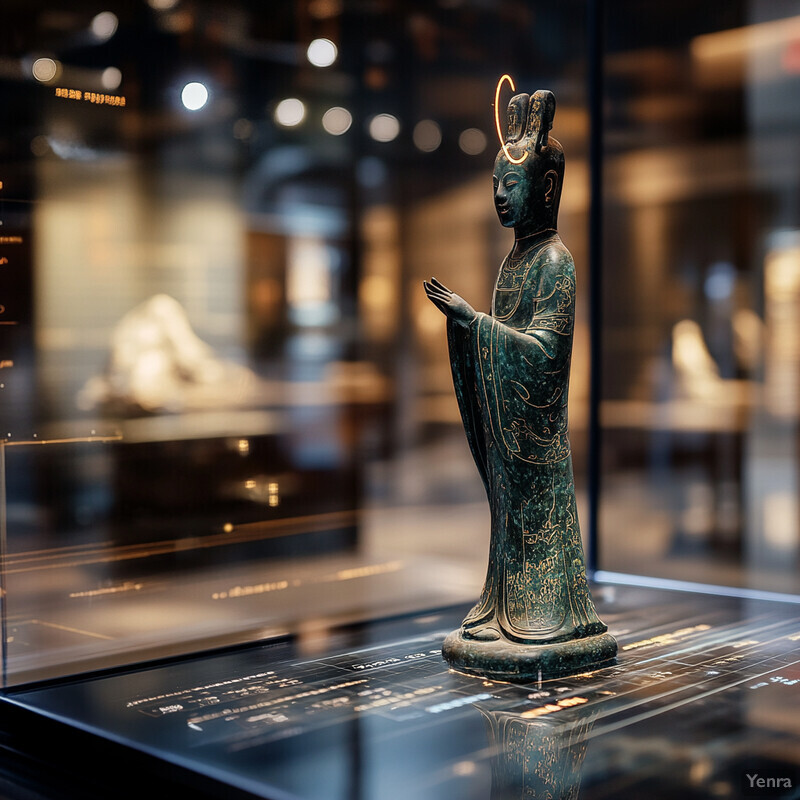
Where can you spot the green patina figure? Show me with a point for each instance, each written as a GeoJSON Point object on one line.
{"type": "Point", "coordinates": [535, 617]}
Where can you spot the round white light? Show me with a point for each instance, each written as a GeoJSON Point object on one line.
{"type": "Point", "coordinates": [111, 78]}
{"type": "Point", "coordinates": [194, 96]}
{"type": "Point", "coordinates": [322, 52]}
{"type": "Point", "coordinates": [427, 135]}
{"type": "Point", "coordinates": [472, 141]}
{"type": "Point", "coordinates": [104, 25]}
{"type": "Point", "coordinates": [44, 69]}
{"type": "Point", "coordinates": [384, 127]}
{"type": "Point", "coordinates": [290, 112]}
{"type": "Point", "coordinates": [337, 120]}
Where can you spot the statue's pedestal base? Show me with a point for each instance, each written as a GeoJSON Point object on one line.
{"type": "Point", "coordinates": [504, 660]}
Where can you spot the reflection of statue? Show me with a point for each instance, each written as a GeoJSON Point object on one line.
{"type": "Point", "coordinates": [511, 375]}
{"type": "Point", "coordinates": [537, 758]}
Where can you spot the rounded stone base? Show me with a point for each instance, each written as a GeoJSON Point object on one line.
{"type": "Point", "coordinates": [504, 660]}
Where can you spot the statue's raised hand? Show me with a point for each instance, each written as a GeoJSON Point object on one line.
{"type": "Point", "coordinates": [449, 303]}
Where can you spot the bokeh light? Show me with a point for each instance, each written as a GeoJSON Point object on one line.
{"type": "Point", "coordinates": [472, 141]}
{"type": "Point", "coordinates": [384, 127]}
{"type": "Point", "coordinates": [427, 135]}
{"type": "Point", "coordinates": [104, 25]}
{"type": "Point", "coordinates": [290, 112]}
{"type": "Point", "coordinates": [44, 69]}
{"type": "Point", "coordinates": [322, 52]}
{"type": "Point", "coordinates": [194, 96]}
{"type": "Point", "coordinates": [337, 120]}
{"type": "Point", "coordinates": [111, 78]}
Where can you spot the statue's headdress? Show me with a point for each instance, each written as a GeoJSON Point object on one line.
{"type": "Point", "coordinates": [527, 141]}
{"type": "Point", "coordinates": [529, 121]}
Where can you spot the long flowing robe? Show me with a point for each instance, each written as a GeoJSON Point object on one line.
{"type": "Point", "coordinates": [511, 376]}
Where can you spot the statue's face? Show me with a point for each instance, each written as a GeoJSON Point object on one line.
{"type": "Point", "coordinates": [512, 192]}
{"type": "Point", "coordinates": [523, 194]}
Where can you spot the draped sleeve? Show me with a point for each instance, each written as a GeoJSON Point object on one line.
{"type": "Point", "coordinates": [462, 363]}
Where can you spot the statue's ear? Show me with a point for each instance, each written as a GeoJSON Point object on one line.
{"type": "Point", "coordinates": [550, 186]}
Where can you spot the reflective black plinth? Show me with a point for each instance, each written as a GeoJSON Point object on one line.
{"type": "Point", "coordinates": [706, 691]}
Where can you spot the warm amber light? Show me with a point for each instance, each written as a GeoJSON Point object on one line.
{"type": "Point", "coordinates": [508, 155]}
{"type": "Point", "coordinates": [91, 97]}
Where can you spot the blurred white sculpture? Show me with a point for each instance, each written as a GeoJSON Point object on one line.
{"type": "Point", "coordinates": [697, 372]}
{"type": "Point", "coordinates": [158, 363]}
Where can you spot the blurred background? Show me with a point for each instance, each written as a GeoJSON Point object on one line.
{"type": "Point", "coordinates": [226, 404]}
{"type": "Point", "coordinates": [701, 297]}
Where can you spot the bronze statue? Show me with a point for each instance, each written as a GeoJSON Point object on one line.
{"type": "Point", "coordinates": [535, 617]}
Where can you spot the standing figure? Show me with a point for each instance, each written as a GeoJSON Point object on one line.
{"type": "Point", "coordinates": [535, 617]}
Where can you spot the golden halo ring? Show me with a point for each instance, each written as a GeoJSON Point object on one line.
{"type": "Point", "coordinates": [500, 83]}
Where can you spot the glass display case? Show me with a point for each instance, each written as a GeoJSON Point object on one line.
{"type": "Point", "coordinates": [226, 404]}
{"type": "Point", "coordinates": [237, 510]}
